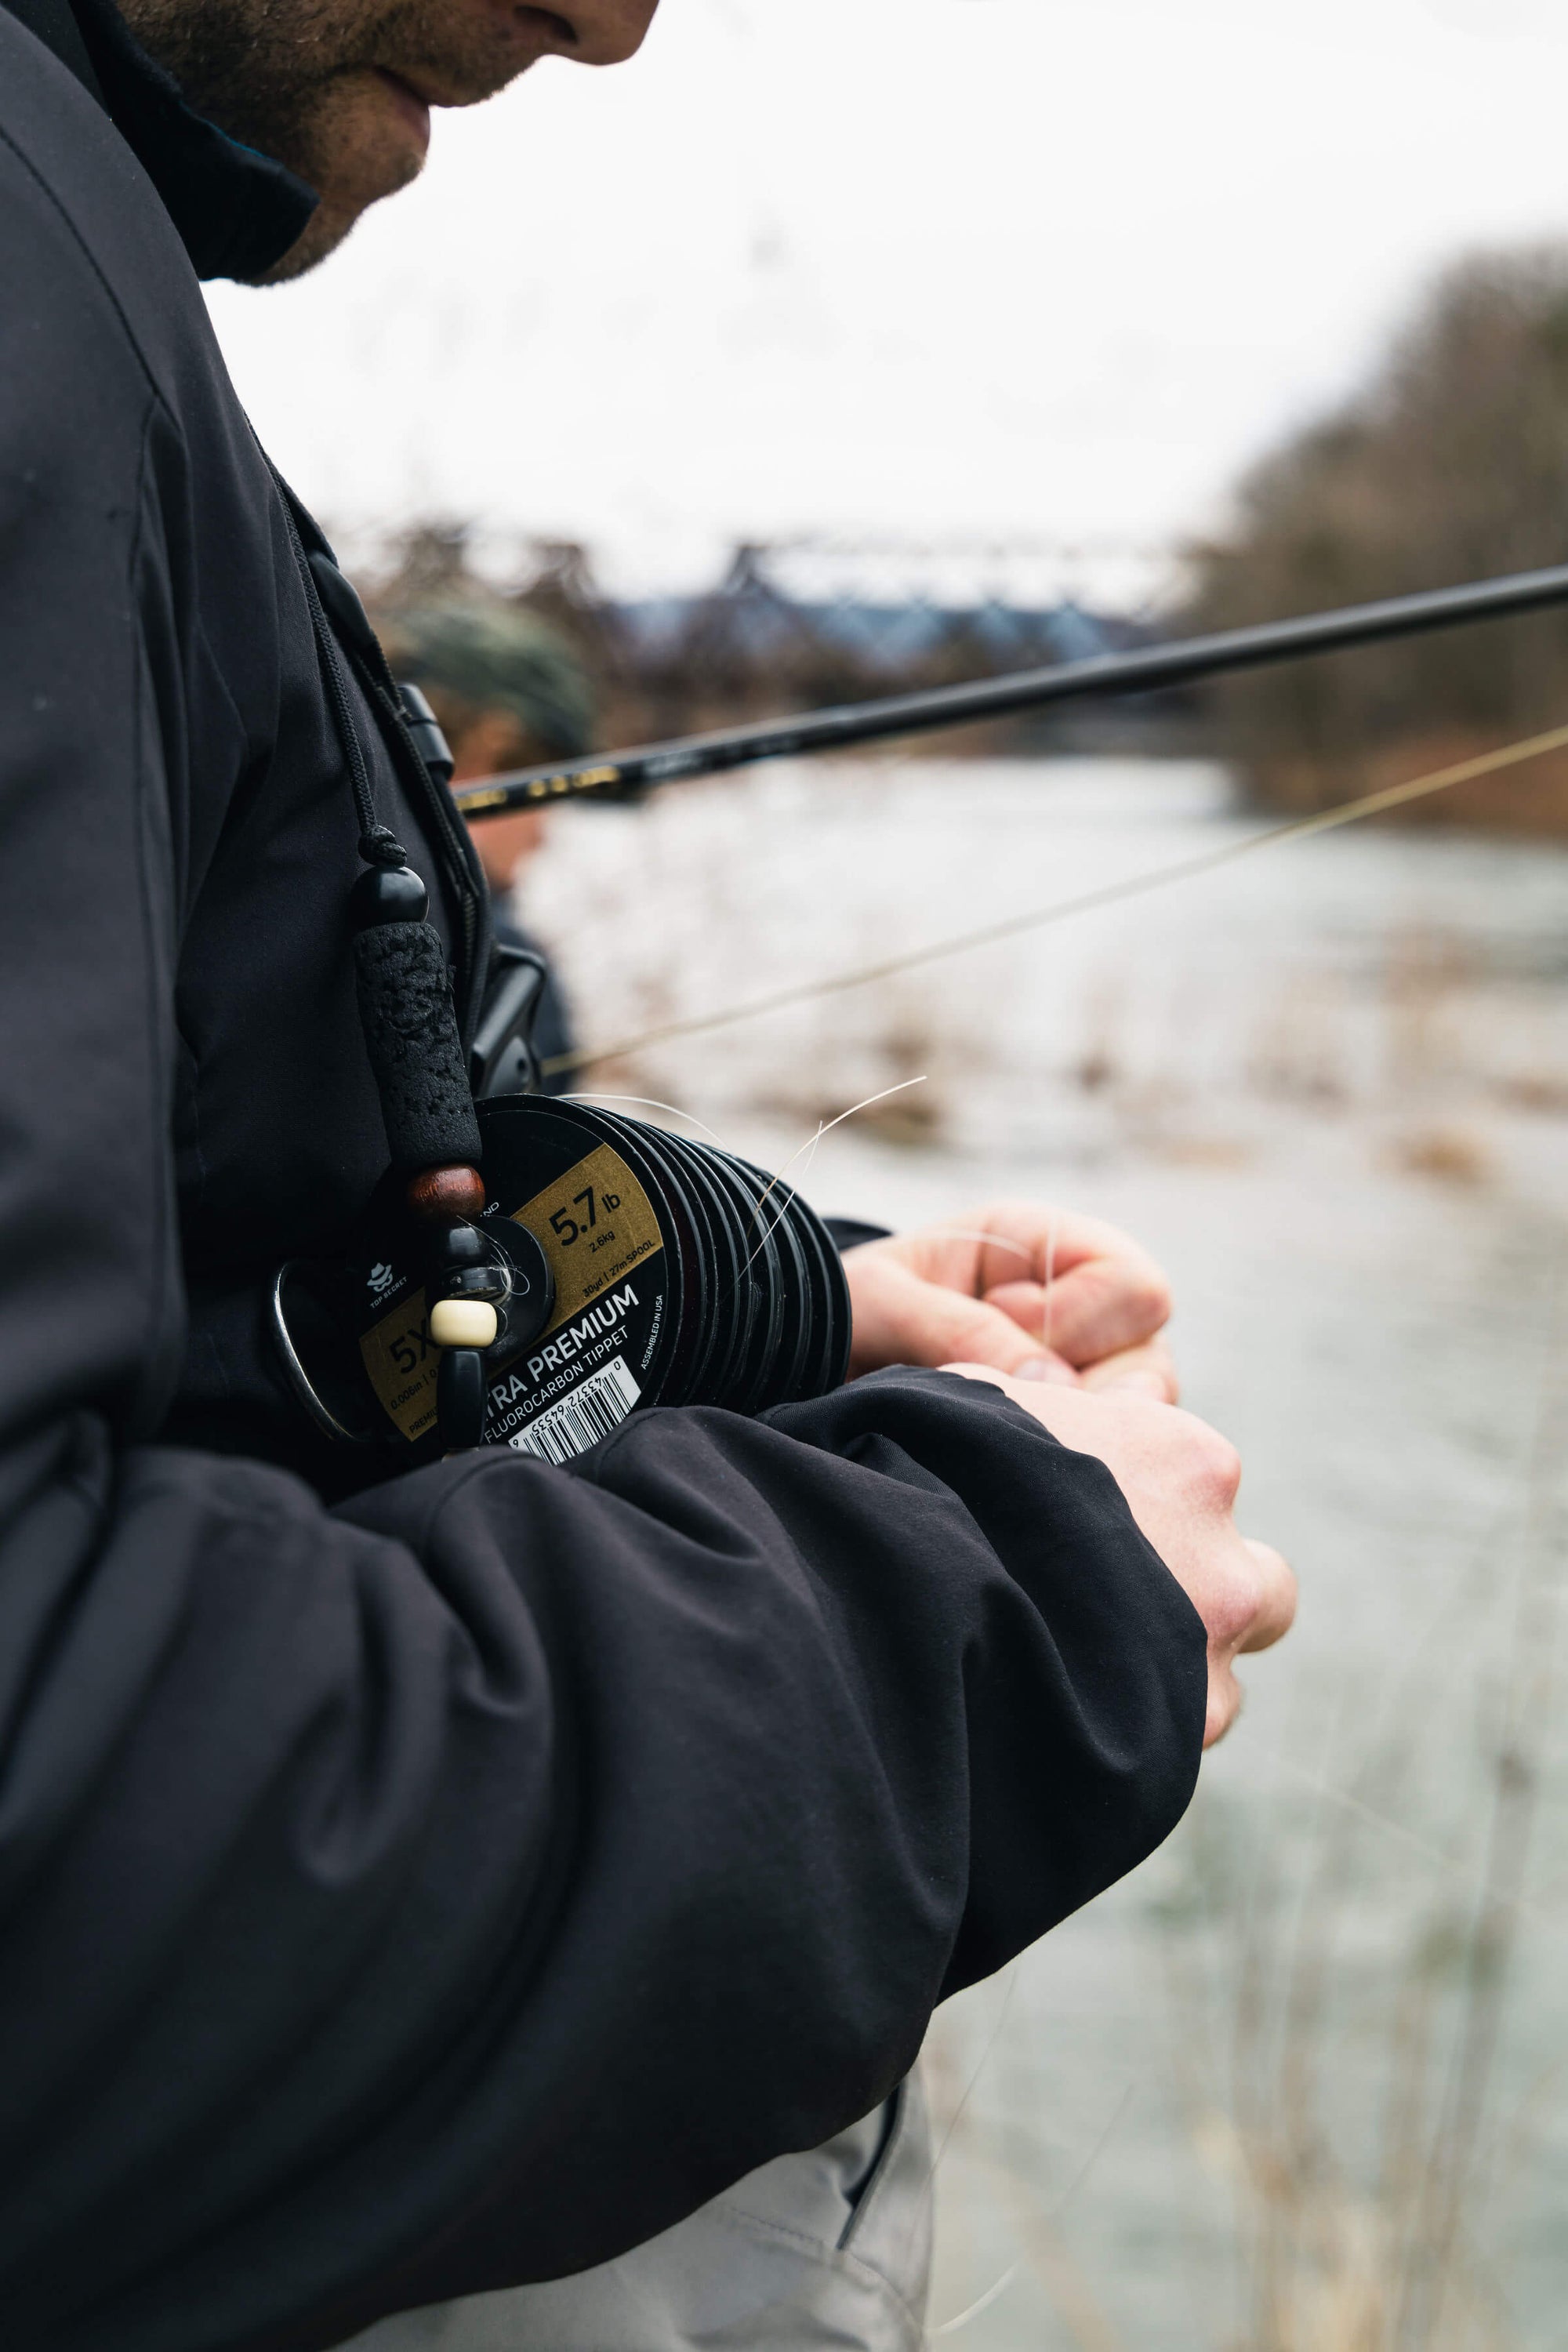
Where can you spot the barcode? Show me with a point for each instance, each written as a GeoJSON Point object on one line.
{"type": "Point", "coordinates": [579, 1421]}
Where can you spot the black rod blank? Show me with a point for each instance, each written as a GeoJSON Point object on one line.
{"type": "Point", "coordinates": [1145, 671]}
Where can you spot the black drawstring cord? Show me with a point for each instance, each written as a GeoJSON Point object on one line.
{"type": "Point", "coordinates": [379, 845]}
{"type": "Point", "coordinates": [404, 991]}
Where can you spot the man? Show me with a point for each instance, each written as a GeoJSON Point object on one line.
{"type": "Point", "coordinates": [457, 1886]}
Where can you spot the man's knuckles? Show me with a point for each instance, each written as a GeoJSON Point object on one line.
{"type": "Point", "coordinates": [1209, 1465]}
{"type": "Point", "coordinates": [1179, 1455]}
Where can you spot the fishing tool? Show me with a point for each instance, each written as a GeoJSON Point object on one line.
{"type": "Point", "coordinates": [529, 1271]}
{"type": "Point", "coordinates": [620, 775]}
{"type": "Point", "coordinates": [627, 775]}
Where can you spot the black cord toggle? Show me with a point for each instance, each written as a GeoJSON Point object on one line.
{"type": "Point", "coordinates": [381, 846]}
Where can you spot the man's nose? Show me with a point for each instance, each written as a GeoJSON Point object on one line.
{"type": "Point", "coordinates": [608, 31]}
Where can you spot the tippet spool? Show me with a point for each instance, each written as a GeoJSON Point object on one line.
{"type": "Point", "coordinates": [628, 1266]}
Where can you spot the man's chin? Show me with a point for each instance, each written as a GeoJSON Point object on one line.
{"type": "Point", "coordinates": [327, 230]}
{"type": "Point", "coordinates": [366, 142]}
{"type": "Point", "coordinates": [334, 216]}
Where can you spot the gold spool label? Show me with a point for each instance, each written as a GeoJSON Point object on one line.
{"type": "Point", "coordinates": [400, 1358]}
{"type": "Point", "coordinates": [594, 1222]}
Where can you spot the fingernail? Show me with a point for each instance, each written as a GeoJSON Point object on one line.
{"type": "Point", "coordinates": [1046, 1367]}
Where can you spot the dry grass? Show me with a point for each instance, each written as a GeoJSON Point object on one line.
{"type": "Point", "coordinates": [1340, 2081]}
{"type": "Point", "coordinates": [1451, 1155]}
{"type": "Point", "coordinates": [1542, 1093]}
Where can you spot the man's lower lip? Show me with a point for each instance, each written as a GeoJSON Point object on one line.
{"type": "Point", "coordinates": [413, 108]}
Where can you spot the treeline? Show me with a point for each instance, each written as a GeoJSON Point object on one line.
{"type": "Point", "coordinates": [1451, 465]}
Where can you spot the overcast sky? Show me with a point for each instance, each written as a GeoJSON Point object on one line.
{"type": "Point", "coordinates": [938, 270]}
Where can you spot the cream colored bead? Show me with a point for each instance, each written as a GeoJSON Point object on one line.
{"type": "Point", "coordinates": [463, 1323]}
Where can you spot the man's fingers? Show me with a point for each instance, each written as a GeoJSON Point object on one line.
{"type": "Point", "coordinates": [1101, 1308]}
{"type": "Point", "coordinates": [946, 1327]}
{"type": "Point", "coordinates": [1180, 1479]}
{"type": "Point", "coordinates": [1225, 1702]}
{"type": "Point", "coordinates": [947, 1292]}
{"type": "Point", "coordinates": [1272, 1615]}
{"type": "Point", "coordinates": [1149, 1371]}
{"type": "Point", "coordinates": [1275, 1611]}
{"type": "Point", "coordinates": [901, 1318]}
{"type": "Point", "coordinates": [1027, 1240]}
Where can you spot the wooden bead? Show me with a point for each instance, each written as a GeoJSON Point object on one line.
{"type": "Point", "coordinates": [464, 1323]}
{"type": "Point", "coordinates": [443, 1195]}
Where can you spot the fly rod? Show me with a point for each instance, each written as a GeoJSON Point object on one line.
{"type": "Point", "coordinates": [1143, 671]}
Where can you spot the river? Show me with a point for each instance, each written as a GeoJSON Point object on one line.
{"type": "Point", "coordinates": [1298, 2085]}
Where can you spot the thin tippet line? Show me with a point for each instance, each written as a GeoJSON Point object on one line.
{"type": "Point", "coordinates": [992, 1241]}
{"type": "Point", "coordinates": [993, 2294]}
{"type": "Point", "coordinates": [1010, 1987]}
{"type": "Point", "coordinates": [1110, 894]}
{"type": "Point", "coordinates": [824, 1128]}
{"type": "Point", "coordinates": [1527, 1906]}
{"type": "Point", "coordinates": [1054, 2212]}
{"type": "Point", "coordinates": [1053, 1233]}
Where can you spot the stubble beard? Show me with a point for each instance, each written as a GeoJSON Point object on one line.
{"type": "Point", "coordinates": [297, 79]}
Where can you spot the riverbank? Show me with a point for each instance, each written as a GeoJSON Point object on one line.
{"type": "Point", "coordinates": [1530, 801]}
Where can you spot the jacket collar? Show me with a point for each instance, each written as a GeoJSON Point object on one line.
{"type": "Point", "coordinates": [51, 22]}
{"type": "Point", "coordinates": [236, 212]}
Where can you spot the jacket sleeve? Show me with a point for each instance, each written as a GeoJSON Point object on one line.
{"type": "Point", "coordinates": [455, 1888]}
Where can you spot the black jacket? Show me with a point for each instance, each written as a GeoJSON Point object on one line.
{"type": "Point", "coordinates": [453, 1886]}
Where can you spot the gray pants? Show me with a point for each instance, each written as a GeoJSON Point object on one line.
{"type": "Point", "coordinates": [828, 2252]}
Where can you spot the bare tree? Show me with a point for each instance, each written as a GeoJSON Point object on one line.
{"type": "Point", "coordinates": [1452, 464]}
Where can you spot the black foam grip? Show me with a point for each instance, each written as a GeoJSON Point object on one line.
{"type": "Point", "coordinates": [411, 1033]}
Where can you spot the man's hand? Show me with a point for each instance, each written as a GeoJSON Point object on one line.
{"type": "Point", "coordinates": [1036, 1292]}
{"type": "Point", "coordinates": [1180, 1478]}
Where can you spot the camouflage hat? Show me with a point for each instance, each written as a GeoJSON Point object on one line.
{"type": "Point", "coordinates": [496, 657]}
